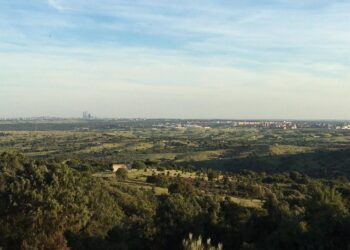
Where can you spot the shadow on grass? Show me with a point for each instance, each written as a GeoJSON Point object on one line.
{"type": "Point", "coordinates": [317, 164]}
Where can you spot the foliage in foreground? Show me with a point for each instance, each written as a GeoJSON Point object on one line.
{"type": "Point", "coordinates": [47, 205]}
{"type": "Point", "coordinates": [197, 244]}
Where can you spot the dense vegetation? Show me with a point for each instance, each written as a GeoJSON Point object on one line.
{"type": "Point", "coordinates": [47, 205]}
{"type": "Point", "coordinates": [219, 188]}
{"type": "Point", "coordinates": [316, 152]}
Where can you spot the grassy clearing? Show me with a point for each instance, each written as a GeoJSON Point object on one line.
{"type": "Point", "coordinates": [137, 179]}
{"type": "Point", "coordinates": [289, 149]}
{"type": "Point", "coordinates": [142, 174]}
{"type": "Point", "coordinates": [200, 155]}
{"type": "Point", "coordinates": [253, 203]}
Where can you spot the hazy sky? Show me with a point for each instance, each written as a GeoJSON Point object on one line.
{"type": "Point", "coordinates": [181, 58]}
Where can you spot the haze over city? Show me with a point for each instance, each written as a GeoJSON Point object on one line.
{"type": "Point", "coordinates": [271, 59]}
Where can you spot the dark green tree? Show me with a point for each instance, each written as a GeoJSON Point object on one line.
{"type": "Point", "coordinates": [138, 165]}
{"type": "Point", "coordinates": [38, 203]}
{"type": "Point", "coordinates": [121, 174]}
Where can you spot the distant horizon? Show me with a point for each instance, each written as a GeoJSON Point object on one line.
{"type": "Point", "coordinates": [168, 118]}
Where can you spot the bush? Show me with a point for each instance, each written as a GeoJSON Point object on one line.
{"type": "Point", "coordinates": [212, 175]}
{"type": "Point", "coordinates": [139, 165]}
{"type": "Point", "coordinates": [158, 180]}
{"type": "Point", "coordinates": [161, 169]}
{"type": "Point", "coordinates": [121, 173]}
{"type": "Point", "coordinates": [181, 187]}
{"type": "Point", "coordinates": [197, 244]}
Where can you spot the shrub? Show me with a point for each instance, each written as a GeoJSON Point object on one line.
{"type": "Point", "coordinates": [197, 244]}
{"type": "Point", "coordinates": [121, 173]}
{"type": "Point", "coordinates": [159, 180]}
{"type": "Point", "coordinates": [181, 187]}
{"type": "Point", "coordinates": [139, 165]}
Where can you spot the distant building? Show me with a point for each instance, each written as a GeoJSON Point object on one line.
{"type": "Point", "coordinates": [294, 126]}
{"type": "Point", "coordinates": [116, 166]}
{"type": "Point", "coordinates": [86, 115]}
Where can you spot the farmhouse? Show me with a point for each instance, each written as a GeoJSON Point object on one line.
{"type": "Point", "coordinates": [116, 166]}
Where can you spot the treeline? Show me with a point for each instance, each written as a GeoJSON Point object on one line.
{"type": "Point", "coordinates": [66, 125]}
{"type": "Point", "coordinates": [49, 205]}
{"type": "Point", "coordinates": [80, 124]}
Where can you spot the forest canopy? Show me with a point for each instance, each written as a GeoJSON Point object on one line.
{"type": "Point", "coordinates": [48, 205]}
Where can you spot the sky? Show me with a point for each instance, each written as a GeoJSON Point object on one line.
{"type": "Point", "coordinates": [230, 59]}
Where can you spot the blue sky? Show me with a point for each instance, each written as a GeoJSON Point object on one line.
{"type": "Point", "coordinates": [185, 59]}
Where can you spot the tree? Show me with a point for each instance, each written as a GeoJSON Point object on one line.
{"type": "Point", "coordinates": [38, 203]}
{"type": "Point", "coordinates": [121, 174]}
{"type": "Point", "coordinates": [158, 180]}
{"type": "Point", "coordinates": [138, 165]}
{"type": "Point", "coordinates": [181, 187]}
{"type": "Point", "coordinates": [212, 175]}
{"type": "Point", "coordinates": [328, 218]}
{"type": "Point", "coordinates": [175, 217]}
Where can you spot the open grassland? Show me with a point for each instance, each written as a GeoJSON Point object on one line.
{"type": "Point", "coordinates": [223, 148]}
{"type": "Point", "coordinates": [172, 144]}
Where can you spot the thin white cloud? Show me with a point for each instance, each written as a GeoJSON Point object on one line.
{"type": "Point", "coordinates": [56, 4]}
{"type": "Point", "coordinates": [164, 85]}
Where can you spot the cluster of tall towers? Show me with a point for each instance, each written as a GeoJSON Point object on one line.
{"type": "Point", "coordinates": [86, 115]}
